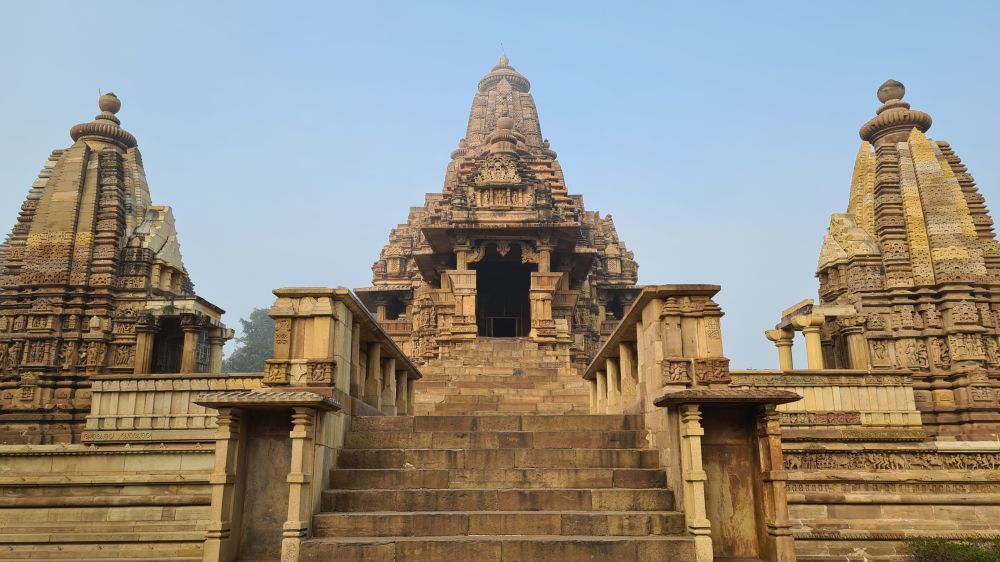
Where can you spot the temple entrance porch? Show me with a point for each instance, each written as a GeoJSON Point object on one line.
{"type": "Point", "coordinates": [503, 308]}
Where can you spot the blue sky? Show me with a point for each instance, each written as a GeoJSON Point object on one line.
{"type": "Point", "coordinates": [290, 137]}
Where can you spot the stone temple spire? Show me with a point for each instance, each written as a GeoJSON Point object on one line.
{"type": "Point", "coordinates": [916, 256]}
{"type": "Point", "coordinates": [503, 92]}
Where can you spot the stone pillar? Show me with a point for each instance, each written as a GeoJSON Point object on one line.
{"type": "Point", "coordinates": [627, 372]}
{"type": "Point", "coordinates": [410, 392]}
{"type": "Point", "coordinates": [592, 384]}
{"type": "Point", "coordinates": [402, 392]}
{"type": "Point", "coordinates": [694, 477]}
{"type": "Point", "coordinates": [779, 539]}
{"type": "Point", "coordinates": [300, 508]}
{"type": "Point", "coordinates": [463, 287]}
{"type": "Point", "coordinates": [220, 539]}
{"type": "Point", "coordinates": [602, 392]}
{"type": "Point", "coordinates": [373, 380]}
{"type": "Point", "coordinates": [614, 386]}
{"type": "Point", "coordinates": [191, 326]}
{"type": "Point", "coordinates": [857, 345]}
{"type": "Point", "coordinates": [388, 401]}
{"type": "Point", "coordinates": [357, 387]}
{"type": "Point", "coordinates": [783, 340]}
{"type": "Point", "coordinates": [145, 332]}
{"type": "Point", "coordinates": [215, 343]}
{"type": "Point", "coordinates": [543, 287]}
{"type": "Point", "coordinates": [810, 325]}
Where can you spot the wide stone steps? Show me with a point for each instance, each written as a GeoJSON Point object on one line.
{"type": "Point", "coordinates": [620, 439]}
{"type": "Point", "coordinates": [444, 523]}
{"type": "Point", "coordinates": [498, 458]}
{"type": "Point", "coordinates": [498, 488]}
{"type": "Point", "coordinates": [528, 499]}
{"type": "Point", "coordinates": [499, 549]}
{"type": "Point", "coordinates": [404, 478]}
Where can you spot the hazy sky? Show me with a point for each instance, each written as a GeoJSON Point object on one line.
{"type": "Point", "coordinates": [290, 137]}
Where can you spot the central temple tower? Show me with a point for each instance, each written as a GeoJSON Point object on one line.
{"type": "Point", "coordinates": [504, 254]}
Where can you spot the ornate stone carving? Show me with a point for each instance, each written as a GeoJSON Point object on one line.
{"type": "Point", "coordinates": [320, 371]}
{"type": "Point", "coordinates": [498, 169]}
{"type": "Point", "coordinates": [276, 372]}
{"type": "Point", "coordinates": [890, 460]}
{"type": "Point", "coordinates": [676, 371]}
{"type": "Point", "coordinates": [711, 370]}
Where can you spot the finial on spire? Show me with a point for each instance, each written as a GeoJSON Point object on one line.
{"type": "Point", "coordinates": [105, 126]}
{"type": "Point", "coordinates": [894, 120]}
{"type": "Point", "coordinates": [504, 61]}
{"type": "Point", "coordinates": [109, 103]}
{"type": "Point", "coordinates": [891, 90]}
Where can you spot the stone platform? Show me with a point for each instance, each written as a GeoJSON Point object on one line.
{"type": "Point", "coordinates": [501, 376]}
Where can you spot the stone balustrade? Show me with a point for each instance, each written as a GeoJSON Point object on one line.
{"type": "Point", "coordinates": [275, 445]}
{"type": "Point", "coordinates": [721, 443]}
{"type": "Point", "coordinates": [157, 408]}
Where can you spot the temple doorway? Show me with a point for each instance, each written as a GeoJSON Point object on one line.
{"type": "Point", "coordinates": [168, 344]}
{"type": "Point", "coordinates": [502, 287]}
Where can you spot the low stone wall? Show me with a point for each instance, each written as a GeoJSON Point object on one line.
{"type": "Point", "coordinates": [860, 501]}
{"type": "Point", "coordinates": [86, 502]}
{"type": "Point", "coordinates": [862, 476]}
{"type": "Point", "coordinates": [137, 488]}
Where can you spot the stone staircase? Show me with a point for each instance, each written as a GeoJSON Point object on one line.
{"type": "Point", "coordinates": [512, 488]}
{"type": "Point", "coordinates": [502, 376]}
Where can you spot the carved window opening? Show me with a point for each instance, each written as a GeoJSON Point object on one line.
{"type": "Point", "coordinates": [168, 346]}
{"type": "Point", "coordinates": [615, 310]}
{"type": "Point", "coordinates": [503, 284]}
{"type": "Point", "coordinates": [394, 309]}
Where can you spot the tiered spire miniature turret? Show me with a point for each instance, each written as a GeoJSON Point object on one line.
{"type": "Point", "coordinates": [547, 269]}
{"type": "Point", "coordinates": [91, 283]}
{"type": "Point", "coordinates": [917, 259]}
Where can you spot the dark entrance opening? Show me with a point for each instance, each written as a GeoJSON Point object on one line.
{"type": "Point", "coordinates": [502, 287]}
{"type": "Point", "coordinates": [168, 345]}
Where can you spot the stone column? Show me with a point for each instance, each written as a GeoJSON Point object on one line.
{"type": "Point", "coordinates": [592, 385]}
{"type": "Point", "coordinates": [411, 407]}
{"type": "Point", "coordinates": [402, 392]}
{"type": "Point", "coordinates": [191, 326]}
{"type": "Point", "coordinates": [300, 508]}
{"type": "Point", "coordinates": [783, 340]}
{"type": "Point", "coordinates": [388, 401]}
{"type": "Point", "coordinates": [220, 539]}
{"type": "Point", "coordinates": [614, 386]}
{"type": "Point", "coordinates": [145, 332]}
{"type": "Point", "coordinates": [627, 372]}
{"type": "Point", "coordinates": [543, 287]}
{"type": "Point", "coordinates": [215, 343]}
{"type": "Point", "coordinates": [857, 346]}
{"type": "Point", "coordinates": [810, 325]}
{"type": "Point", "coordinates": [463, 286]}
{"type": "Point", "coordinates": [602, 392]}
{"type": "Point", "coordinates": [373, 379]}
{"type": "Point", "coordinates": [775, 498]}
{"type": "Point", "coordinates": [694, 478]}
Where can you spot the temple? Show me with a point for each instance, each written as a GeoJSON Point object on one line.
{"type": "Point", "coordinates": [908, 276]}
{"type": "Point", "coordinates": [503, 257]}
{"type": "Point", "coordinates": [92, 283]}
{"type": "Point", "coordinates": [505, 389]}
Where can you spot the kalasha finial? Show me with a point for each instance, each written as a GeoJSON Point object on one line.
{"type": "Point", "coordinates": [109, 103]}
{"type": "Point", "coordinates": [504, 61]}
{"type": "Point", "coordinates": [891, 90]}
{"type": "Point", "coordinates": [894, 120]}
{"type": "Point", "coordinates": [105, 126]}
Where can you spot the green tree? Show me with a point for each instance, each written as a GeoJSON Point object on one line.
{"type": "Point", "coordinates": [254, 345]}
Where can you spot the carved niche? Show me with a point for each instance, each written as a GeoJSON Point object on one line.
{"type": "Point", "coordinates": [499, 169]}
